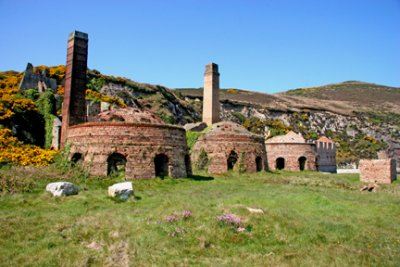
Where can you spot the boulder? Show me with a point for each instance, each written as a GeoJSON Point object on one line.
{"type": "Point", "coordinates": [59, 189]}
{"type": "Point", "coordinates": [121, 190]}
{"type": "Point", "coordinates": [195, 127]}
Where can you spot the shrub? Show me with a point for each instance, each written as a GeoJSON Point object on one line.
{"type": "Point", "coordinates": [202, 161]}
{"type": "Point", "coordinates": [11, 184]}
{"type": "Point", "coordinates": [192, 137]}
{"type": "Point", "coordinates": [16, 152]}
{"type": "Point", "coordinates": [99, 97]}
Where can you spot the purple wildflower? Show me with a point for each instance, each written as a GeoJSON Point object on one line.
{"type": "Point", "coordinates": [171, 218]}
{"type": "Point", "coordinates": [186, 214]}
{"type": "Point", "coordinates": [230, 219]}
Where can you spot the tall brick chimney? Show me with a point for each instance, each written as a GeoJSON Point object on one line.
{"type": "Point", "coordinates": [211, 94]}
{"type": "Point", "coordinates": [73, 111]}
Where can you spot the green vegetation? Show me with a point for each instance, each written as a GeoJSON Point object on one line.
{"type": "Point", "coordinates": [310, 219]}
{"type": "Point", "coordinates": [381, 117]}
{"type": "Point", "coordinates": [191, 138]}
{"type": "Point", "coordinates": [203, 161]}
{"type": "Point", "coordinates": [47, 108]}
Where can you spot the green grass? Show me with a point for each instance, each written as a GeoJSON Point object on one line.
{"type": "Point", "coordinates": [310, 219]}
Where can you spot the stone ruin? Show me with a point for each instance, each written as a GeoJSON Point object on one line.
{"type": "Point", "coordinates": [290, 152]}
{"type": "Point", "coordinates": [133, 140]}
{"type": "Point", "coordinates": [229, 146]}
{"type": "Point", "coordinates": [31, 80]}
{"type": "Point", "coordinates": [145, 147]}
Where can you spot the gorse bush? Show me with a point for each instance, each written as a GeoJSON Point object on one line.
{"type": "Point", "coordinates": [99, 97]}
{"type": "Point", "coordinates": [16, 152]}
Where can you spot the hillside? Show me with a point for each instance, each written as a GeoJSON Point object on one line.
{"type": "Point", "coordinates": [361, 95]}
{"type": "Point", "coordinates": [362, 118]}
{"type": "Point", "coordinates": [342, 98]}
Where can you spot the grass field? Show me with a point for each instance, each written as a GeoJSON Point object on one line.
{"type": "Point", "coordinates": [309, 219]}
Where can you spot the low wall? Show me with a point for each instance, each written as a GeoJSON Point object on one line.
{"type": "Point", "coordinates": [377, 170]}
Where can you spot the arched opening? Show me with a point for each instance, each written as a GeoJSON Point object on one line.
{"type": "Point", "coordinates": [76, 158]}
{"type": "Point", "coordinates": [161, 165]}
{"type": "Point", "coordinates": [302, 163]}
{"type": "Point", "coordinates": [280, 163]}
{"type": "Point", "coordinates": [188, 165]}
{"type": "Point", "coordinates": [116, 163]}
{"type": "Point", "coordinates": [232, 159]}
{"type": "Point", "coordinates": [259, 164]}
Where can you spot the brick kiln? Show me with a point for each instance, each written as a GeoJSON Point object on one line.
{"type": "Point", "coordinates": [132, 139]}
{"type": "Point", "coordinates": [290, 152]}
{"type": "Point", "coordinates": [227, 146]}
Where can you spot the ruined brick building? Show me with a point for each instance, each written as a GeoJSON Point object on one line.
{"type": "Point", "coordinates": [37, 80]}
{"type": "Point", "coordinates": [292, 152]}
{"type": "Point", "coordinates": [225, 145]}
{"type": "Point", "coordinates": [134, 140]}
{"type": "Point", "coordinates": [229, 146]}
{"type": "Point", "coordinates": [146, 147]}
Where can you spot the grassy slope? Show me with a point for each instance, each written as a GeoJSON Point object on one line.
{"type": "Point", "coordinates": [311, 219]}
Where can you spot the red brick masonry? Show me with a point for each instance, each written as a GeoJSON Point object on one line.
{"type": "Point", "coordinates": [225, 138]}
{"type": "Point", "coordinates": [380, 170]}
{"type": "Point", "coordinates": [139, 143]}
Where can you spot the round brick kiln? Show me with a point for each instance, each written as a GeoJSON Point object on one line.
{"type": "Point", "coordinates": [290, 152]}
{"type": "Point", "coordinates": [226, 146]}
{"type": "Point", "coordinates": [135, 140]}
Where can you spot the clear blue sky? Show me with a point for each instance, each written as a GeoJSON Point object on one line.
{"type": "Point", "coordinates": [266, 45]}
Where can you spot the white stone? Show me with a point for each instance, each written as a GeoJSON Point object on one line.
{"type": "Point", "coordinates": [59, 189]}
{"type": "Point", "coordinates": [122, 190]}
{"type": "Point", "coordinates": [253, 210]}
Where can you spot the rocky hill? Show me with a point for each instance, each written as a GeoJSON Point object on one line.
{"type": "Point", "coordinates": [362, 118]}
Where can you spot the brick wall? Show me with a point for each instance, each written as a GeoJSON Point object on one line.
{"type": "Point", "coordinates": [291, 153]}
{"type": "Point", "coordinates": [379, 170]}
{"type": "Point", "coordinates": [138, 143]}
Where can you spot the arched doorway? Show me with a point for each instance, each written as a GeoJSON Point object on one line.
{"type": "Point", "coordinates": [116, 163]}
{"type": "Point", "coordinates": [302, 163]}
{"type": "Point", "coordinates": [232, 159]}
{"type": "Point", "coordinates": [161, 165]}
{"type": "Point", "coordinates": [280, 163]}
{"type": "Point", "coordinates": [259, 164]}
{"type": "Point", "coordinates": [76, 158]}
{"type": "Point", "coordinates": [188, 165]}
